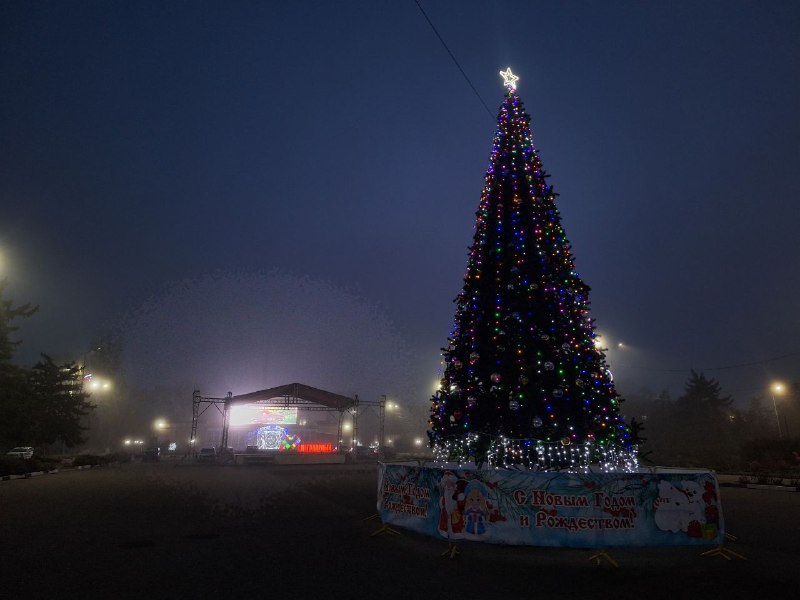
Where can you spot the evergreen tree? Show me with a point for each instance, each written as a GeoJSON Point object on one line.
{"type": "Point", "coordinates": [15, 403]}
{"type": "Point", "coordinates": [58, 403]}
{"type": "Point", "coordinates": [707, 436]}
{"type": "Point", "coordinates": [8, 314]}
{"type": "Point", "coordinates": [524, 382]}
{"type": "Point", "coordinates": [42, 404]}
{"type": "Point", "coordinates": [14, 386]}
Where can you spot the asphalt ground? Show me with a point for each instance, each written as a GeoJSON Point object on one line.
{"type": "Point", "coordinates": [177, 531]}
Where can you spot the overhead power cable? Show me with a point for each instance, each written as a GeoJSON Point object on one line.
{"type": "Point", "coordinates": [438, 35]}
{"type": "Point", "coordinates": [466, 77]}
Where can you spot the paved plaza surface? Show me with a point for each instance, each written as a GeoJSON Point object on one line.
{"type": "Point", "coordinates": [174, 530]}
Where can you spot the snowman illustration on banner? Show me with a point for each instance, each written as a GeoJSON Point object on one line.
{"type": "Point", "coordinates": [690, 507]}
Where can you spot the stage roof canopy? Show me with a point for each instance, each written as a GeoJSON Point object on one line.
{"type": "Point", "coordinates": [297, 394]}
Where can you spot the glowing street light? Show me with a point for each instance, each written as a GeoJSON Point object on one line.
{"type": "Point", "coordinates": [160, 424]}
{"type": "Point", "coordinates": [777, 388]}
{"type": "Point", "coordinates": [96, 384]}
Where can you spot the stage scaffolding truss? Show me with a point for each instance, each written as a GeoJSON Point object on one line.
{"type": "Point", "coordinates": [295, 395]}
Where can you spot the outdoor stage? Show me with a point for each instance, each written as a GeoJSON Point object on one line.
{"type": "Point", "coordinates": [289, 424]}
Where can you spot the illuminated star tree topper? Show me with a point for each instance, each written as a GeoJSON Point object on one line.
{"type": "Point", "coordinates": [509, 79]}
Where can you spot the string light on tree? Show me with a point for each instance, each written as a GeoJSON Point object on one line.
{"type": "Point", "coordinates": [524, 383]}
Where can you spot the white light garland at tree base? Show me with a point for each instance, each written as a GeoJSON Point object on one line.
{"type": "Point", "coordinates": [536, 455]}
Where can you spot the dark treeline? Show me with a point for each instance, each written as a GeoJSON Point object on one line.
{"type": "Point", "coordinates": [704, 428]}
{"type": "Point", "coordinates": [43, 405]}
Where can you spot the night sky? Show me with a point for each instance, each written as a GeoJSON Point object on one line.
{"type": "Point", "coordinates": [255, 193]}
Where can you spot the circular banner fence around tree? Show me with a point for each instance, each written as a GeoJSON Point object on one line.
{"type": "Point", "coordinates": [578, 510]}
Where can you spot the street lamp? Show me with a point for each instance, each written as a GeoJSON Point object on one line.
{"type": "Point", "coordinates": [159, 427]}
{"type": "Point", "coordinates": [779, 389]}
{"type": "Point", "coordinates": [96, 384]}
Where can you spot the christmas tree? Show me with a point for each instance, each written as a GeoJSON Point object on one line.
{"type": "Point", "coordinates": [524, 382]}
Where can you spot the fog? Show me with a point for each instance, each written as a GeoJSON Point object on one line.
{"type": "Point", "coordinates": [241, 333]}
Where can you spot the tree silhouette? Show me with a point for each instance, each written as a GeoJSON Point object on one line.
{"type": "Point", "coordinates": [706, 424]}
{"type": "Point", "coordinates": [8, 314]}
{"type": "Point", "coordinates": [58, 403]}
{"type": "Point", "coordinates": [40, 405]}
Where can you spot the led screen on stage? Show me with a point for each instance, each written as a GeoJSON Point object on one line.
{"type": "Point", "coordinates": [257, 414]}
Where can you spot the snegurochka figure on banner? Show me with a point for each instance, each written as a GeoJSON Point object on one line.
{"type": "Point", "coordinates": [476, 511]}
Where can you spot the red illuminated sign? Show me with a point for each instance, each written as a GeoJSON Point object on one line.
{"type": "Point", "coordinates": [315, 448]}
